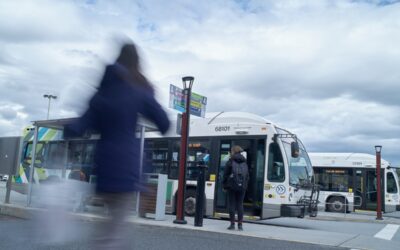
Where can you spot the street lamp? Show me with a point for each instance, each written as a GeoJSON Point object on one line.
{"type": "Point", "coordinates": [378, 150]}
{"type": "Point", "coordinates": [48, 106]}
{"type": "Point", "coordinates": [180, 205]}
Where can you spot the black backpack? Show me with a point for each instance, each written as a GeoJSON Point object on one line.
{"type": "Point", "coordinates": [238, 177]}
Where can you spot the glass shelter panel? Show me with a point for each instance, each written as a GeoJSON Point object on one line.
{"type": "Point", "coordinates": [80, 162]}
{"type": "Point", "coordinates": [156, 156]}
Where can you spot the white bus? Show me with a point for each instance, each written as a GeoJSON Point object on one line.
{"type": "Point", "coordinates": [348, 181]}
{"type": "Point", "coordinates": [280, 184]}
{"type": "Point", "coordinates": [281, 175]}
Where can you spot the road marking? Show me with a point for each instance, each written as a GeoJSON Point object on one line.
{"type": "Point", "coordinates": [387, 232]}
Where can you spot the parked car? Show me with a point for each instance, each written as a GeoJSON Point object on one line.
{"type": "Point", "coordinates": [4, 178]}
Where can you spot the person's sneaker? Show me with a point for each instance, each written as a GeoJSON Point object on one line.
{"type": "Point", "coordinates": [240, 227]}
{"type": "Point", "coordinates": [231, 227]}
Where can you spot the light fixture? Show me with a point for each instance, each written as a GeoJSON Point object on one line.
{"type": "Point", "coordinates": [187, 82]}
{"type": "Point", "coordinates": [48, 106]}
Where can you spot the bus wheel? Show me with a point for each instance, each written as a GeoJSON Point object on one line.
{"type": "Point", "coordinates": [190, 202]}
{"type": "Point", "coordinates": [336, 204]}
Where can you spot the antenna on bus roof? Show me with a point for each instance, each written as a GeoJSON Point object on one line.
{"type": "Point", "coordinates": [349, 156]}
{"type": "Point", "coordinates": [215, 117]}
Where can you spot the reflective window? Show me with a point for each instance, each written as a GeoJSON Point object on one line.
{"type": "Point", "coordinates": [81, 160]}
{"type": "Point", "coordinates": [55, 155]}
{"type": "Point", "coordinates": [391, 186]}
{"type": "Point", "coordinates": [199, 153]}
{"type": "Point", "coordinates": [260, 168]}
{"type": "Point", "coordinates": [300, 169]}
{"type": "Point", "coordinates": [337, 180]}
{"type": "Point", "coordinates": [40, 152]}
{"type": "Point", "coordinates": [156, 156]}
{"type": "Point", "coordinates": [174, 170]}
{"type": "Point", "coordinates": [276, 168]}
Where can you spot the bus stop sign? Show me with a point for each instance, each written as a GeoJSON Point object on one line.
{"type": "Point", "coordinates": [198, 102]}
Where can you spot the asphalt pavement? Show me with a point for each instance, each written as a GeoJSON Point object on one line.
{"type": "Point", "coordinates": [358, 230]}
{"type": "Point", "coordinates": [20, 234]}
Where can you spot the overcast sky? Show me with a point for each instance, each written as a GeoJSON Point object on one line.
{"type": "Point", "coordinates": [327, 70]}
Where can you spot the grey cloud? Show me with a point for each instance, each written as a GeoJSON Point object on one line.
{"type": "Point", "coordinates": [324, 69]}
{"type": "Point", "coordinates": [8, 113]}
{"type": "Point", "coordinates": [25, 21]}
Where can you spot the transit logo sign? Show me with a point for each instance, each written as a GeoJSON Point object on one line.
{"type": "Point", "coordinates": [177, 101]}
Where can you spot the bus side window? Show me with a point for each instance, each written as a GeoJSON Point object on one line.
{"type": "Point", "coordinates": [276, 168]}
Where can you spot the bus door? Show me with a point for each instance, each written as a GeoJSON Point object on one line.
{"type": "Point", "coordinates": [255, 154]}
{"type": "Point", "coordinates": [366, 188]}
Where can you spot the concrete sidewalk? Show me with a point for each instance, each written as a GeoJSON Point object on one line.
{"type": "Point", "coordinates": [359, 216]}
{"type": "Point", "coordinates": [256, 230]}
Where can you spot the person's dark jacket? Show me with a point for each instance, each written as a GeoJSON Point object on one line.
{"type": "Point", "coordinates": [113, 112]}
{"type": "Point", "coordinates": [239, 158]}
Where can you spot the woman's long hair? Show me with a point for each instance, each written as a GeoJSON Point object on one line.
{"type": "Point", "coordinates": [129, 58]}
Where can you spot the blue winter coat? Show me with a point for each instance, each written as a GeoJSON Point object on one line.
{"type": "Point", "coordinates": [113, 112]}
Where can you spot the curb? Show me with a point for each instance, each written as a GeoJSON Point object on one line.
{"type": "Point", "coordinates": [17, 211]}
{"type": "Point", "coordinates": [387, 220]}
{"type": "Point", "coordinates": [26, 213]}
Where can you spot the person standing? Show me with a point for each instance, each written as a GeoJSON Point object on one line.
{"type": "Point", "coordinates": [124, 92]}
{"type": "Point", "coordinates": [236, 177]}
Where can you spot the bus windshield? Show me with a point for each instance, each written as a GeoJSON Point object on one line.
{"type": "Point", "coordinates": [300, 168]}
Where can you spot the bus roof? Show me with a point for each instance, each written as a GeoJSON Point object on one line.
{"type": "Point", "coordinates": [353, 160]}
{"type": "Point", "coordinates": [236, 117]}
{"type": "Point", "coordinates": [60, 123]}
{"type": "Point", "coordinates": [223, 123]}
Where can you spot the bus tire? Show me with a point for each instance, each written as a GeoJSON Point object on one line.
{"type": "Point", "coordinates": [190, 202]}
{"type": "Point", "coordinates": [336, 204]}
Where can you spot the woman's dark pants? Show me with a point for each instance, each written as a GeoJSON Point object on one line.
{"type": "Point", "coordinates": [235, 199]}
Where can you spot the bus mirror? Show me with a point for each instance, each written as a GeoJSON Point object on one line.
{"type": "Point", "coordinates": [295, 149]}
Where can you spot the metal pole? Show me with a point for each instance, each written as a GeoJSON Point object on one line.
{"type": "Point", "coordinates": [65, 166]}
{"type": "Point", "coordinates": [8, 188]}
{"type": "Point", "coordinates": [201, 183]}
{"type": "Point", "coordinates": [31, 171]}
{"type": "Point", "coordinates": [142, 132]}
{"type": "Point", "coordinates": [13, 170]}
{"type": "Point", "coordinates": [180, 213]}
{"type": "Point", "coordinates": [48, 108]}
{"type": "Point", "coordinates": [378, 186]}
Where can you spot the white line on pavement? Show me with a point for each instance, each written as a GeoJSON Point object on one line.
{"type": "Point", "coordinates": [387, 232]}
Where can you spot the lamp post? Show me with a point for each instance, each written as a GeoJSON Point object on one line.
{"type": "Point", "coordinates": [180, 205]}
{"type": "Point", "coordinates": [48, 106]}
{"type": "Point", "coordinates": [378, 149]}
